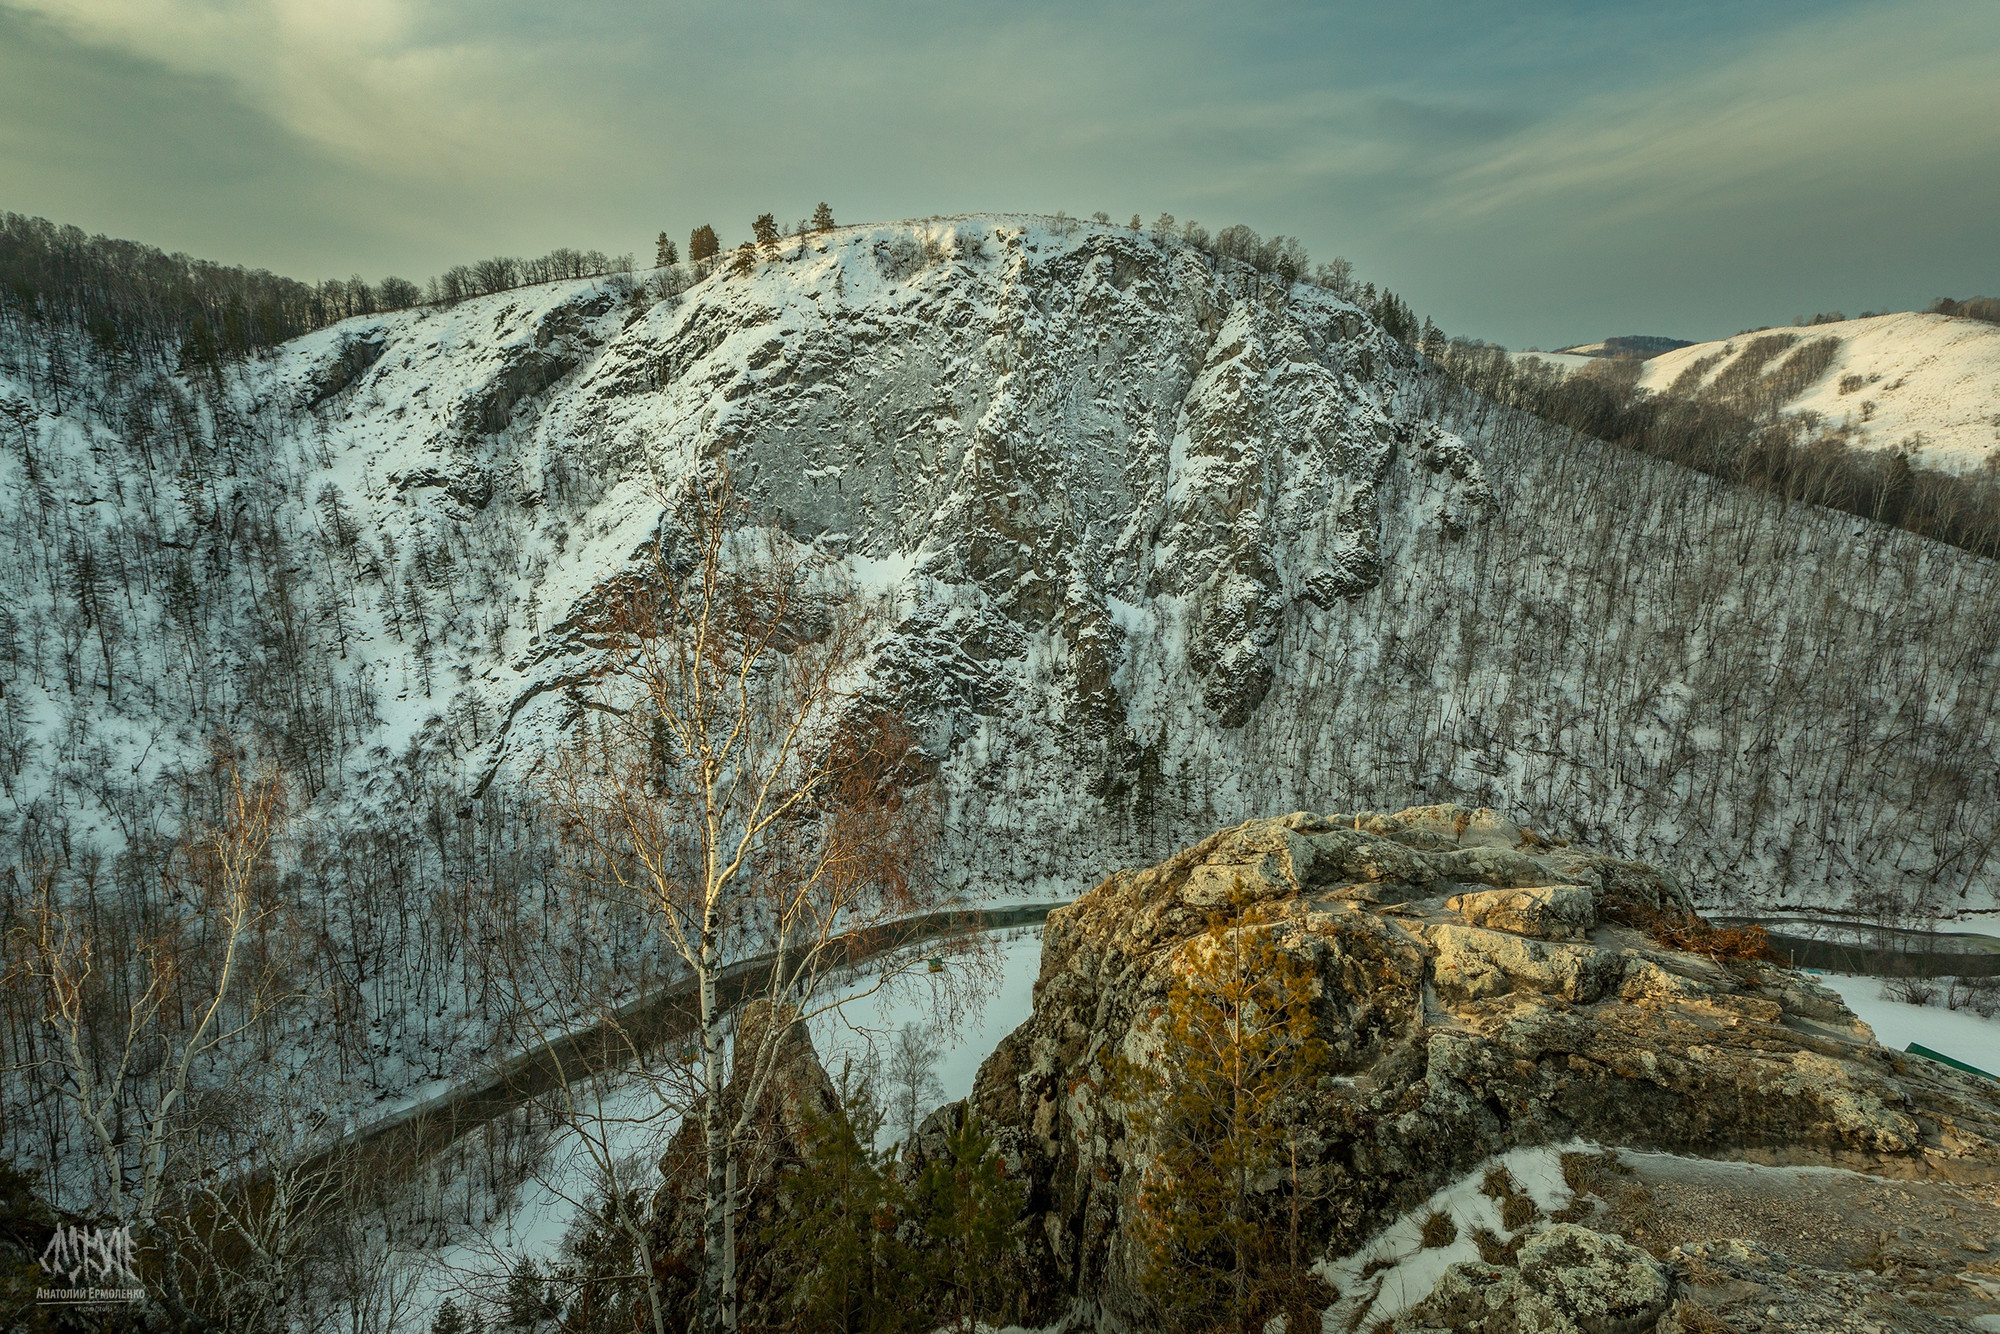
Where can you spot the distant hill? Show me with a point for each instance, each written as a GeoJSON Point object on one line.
{"type": "Point", "coordinates": [1637, 347]}
{"type": "Point", "coordinates": [1929, 383]}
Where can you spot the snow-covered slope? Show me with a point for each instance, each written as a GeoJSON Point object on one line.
{"type": "Point", "coordinates": [1097, 475]}
{"type": "Point", "coordinates": [1926, 383]}
{"type": "Point", "coordinates": [1164, 546]}
{"type": "Point", "coordinates": [1070, 456]}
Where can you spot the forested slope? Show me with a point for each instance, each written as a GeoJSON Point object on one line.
{"type": "Point", "coordinates": [1161, 544]}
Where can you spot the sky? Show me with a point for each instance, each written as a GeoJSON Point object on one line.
{"type": "Point", "coordinates": [1534, 172]}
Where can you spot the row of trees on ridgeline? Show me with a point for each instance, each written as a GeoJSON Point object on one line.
{"type": "Point", "coordinates": [138, 302]}
{"type": "Point", "coordinates": [705, 245]}
{"type": "Point", "coordinates": [1985, 308]}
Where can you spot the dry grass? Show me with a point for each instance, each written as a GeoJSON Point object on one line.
{"type": "Point", "coordinates": [1578, 1210]}
{"type": "Point", "coordinates": [1692, 1319]}
{"type": "Point", "coordinates": [1495, 1251]}
{"type": "Point", "coordinates": [1590, 1171]}
{"type": "Point", "coordinates": [1697, 935]}
{"type": "Point", "coordinates": [1516, 1209]}
{"type": "Point", "coordinates": [1439, 1230]}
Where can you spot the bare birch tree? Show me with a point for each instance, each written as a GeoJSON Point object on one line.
{"type": "Point", "coordinates": [137, 1022]}
{"type": "Point", "coordinates": [767, 824]}
{"type": "Point", "coordinates": [179, 1014]}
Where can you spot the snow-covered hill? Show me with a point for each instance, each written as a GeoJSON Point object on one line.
{"type": "Point", "coordinates": [1164, 546]}
{"type": "Point", "coordinates": [1098, 478]}
{"type": "Point", "coordinates": [1926, 383]}
{"type": "Point", "coordinates": [1161, 546]}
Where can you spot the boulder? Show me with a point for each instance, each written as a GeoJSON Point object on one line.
{"type": "Point", "coordinates": [1604, 1284]}
{"type": "Point", "coordinates": [1473, 964]}
{"type": "Point", "coordinates": [1570, 1280]}
{"type": "Point", "coordinates": [1478, 1298]}
{"type": "Point", "coordinates": [1548, 912]}
{"type": "Point", "coordinates": [1451, 1038]}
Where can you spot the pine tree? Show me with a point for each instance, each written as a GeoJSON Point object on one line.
{"type": "Point", "coordinates": [448, 1319]}
{"type": "Point", "coordinates": [602, 1272]}
{"type": "Point", "coordinates": [972, 1212]}
{"type": "Point", "coordinates": [1432, 345]}
{"type": "Point", "coordinates": [852, 1271]}
{"type": "Point", "coordinates": [703, 244]}
{"type": "Point", "coordinates": [665, 252]}
{"type": "Point", "coordinates": [525, 1303]}
{"type": "Point", "coordinates": [1237, 1034]}
{"type": "Point", "coordinates": [765, 229]}
{"type": "Point", "coordinates": [822, 218]}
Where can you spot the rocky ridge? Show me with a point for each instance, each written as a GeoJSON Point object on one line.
{"type": "Point", "coordinates": [1481, 989]}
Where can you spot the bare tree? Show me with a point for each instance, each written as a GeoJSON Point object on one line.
{"type": "Point", "coordinates": [142, 1019]}
{"type": "Point", "coordinates": [264, 1242]}
{"type": "Point", "coordinates": [177, 1006]}
{"type": "Point", "coordinates": [914, 1087]}
{"type": "Point", "coordinates": [761, 819]}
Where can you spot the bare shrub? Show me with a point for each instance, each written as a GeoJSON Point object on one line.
{"type": "Point", "coordinates": [1911, 990]}
{"type": "Point", "coordinates": [1981, 995]}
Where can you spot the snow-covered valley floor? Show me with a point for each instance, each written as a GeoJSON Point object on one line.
{"type": "Point", "coordinates": [1959, 1034]}
{"type": "Point", "coordinates": [631, 1125]}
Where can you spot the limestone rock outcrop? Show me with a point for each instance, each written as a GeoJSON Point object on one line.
{"type": "Point", "coordinates": [1569, 1280]}
{"type": "Point", "coordinates": [1480, 988]}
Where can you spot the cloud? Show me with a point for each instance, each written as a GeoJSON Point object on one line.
{"type": "Point", "coordinates": [1812, 112]}
{"type": "Point", "coordinates": [396, 86]}
{"type": "Point", "coordinates": [1512, 168]}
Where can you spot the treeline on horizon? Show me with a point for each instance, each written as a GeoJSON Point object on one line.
{"type": "Point", "coordinates": [175, 310]}
{"type": "Point", "coordinates": [1985, 308]}
{"type": "Point", "coordinates": [1733, 428]}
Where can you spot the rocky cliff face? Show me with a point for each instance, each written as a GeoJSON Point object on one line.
{"type": "Point", "coordinates": [1480, 989]}
{"type": "Point", "coordinates": [1162, 546]}
{"type": "Point", "coordinates": [1074, 462]}
{"type": "Point", "coordinates": [1097, 478]}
